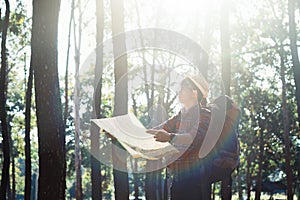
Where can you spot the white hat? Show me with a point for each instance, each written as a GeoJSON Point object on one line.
{"type": "Point", "coordinates": [201, 83]}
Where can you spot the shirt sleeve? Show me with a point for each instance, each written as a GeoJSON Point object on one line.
{"type": "Point", "coordinates": [197, 131]}
{"type": "Point", "coordinates": [169, 125]}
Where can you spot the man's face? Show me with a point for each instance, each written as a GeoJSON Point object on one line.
{"type": "Point", "coordinates": [187, 94]}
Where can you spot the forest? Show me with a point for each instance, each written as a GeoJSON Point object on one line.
{"type": "Point", "coordinates": [64, 63]}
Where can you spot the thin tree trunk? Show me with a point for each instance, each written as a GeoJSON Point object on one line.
{"type": "Point", "coordinates": [136, 176]}
{"type": "Point", "coordinates": [149, 185]}
{"type": "Point", "coordinates": [96, 176]}
{"type": "Point", "coordinates": [9, 192]}
{"type": "Point", "coordinates": [121, 94]}
{"type": "Point", "coordinates": [295, 59]}
{"type": "Point", "coordinates": [286, 131]}
{"type": "Point", "coordinates": [134, 161]}
{"type": "Point", "coordinates": [67, 66]}
{"type": "Point", "coordinates": [240, 189]}
{"type": "Point", "coordinates": [3, 114]}
{"type": "Point", "coordinates": [78, 188]}
{"type": "Point", "coordinates": [27, 135]}
{"type": "Point", "coordinates": [13, 172]}
{"type": "Point", "coordinates": [248, 176]}
{"type": "Point", "coordinates": [294, 51]}
{"type": "Point", "coordinates": [226, 187]}
{"type": "Point", "coordinates": [12, 189]}
{"type": "Point", "coordinates": [260, 160]}
{"type": "Point", "coordinates": [298, 170]}
{"type": "Point", "coordinates": [226, 184]}
{"type": "Point", "coordinates": [51, 135]}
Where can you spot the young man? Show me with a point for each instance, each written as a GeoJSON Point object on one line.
{"type": "Point", "coordinates": [186, 132]}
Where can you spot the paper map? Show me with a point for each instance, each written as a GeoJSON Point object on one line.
{"type": "Point", "coordinates": [131, 134]}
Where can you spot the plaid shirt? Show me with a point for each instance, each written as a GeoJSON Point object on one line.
{"type": "Point", "coordinates": [194, 121]}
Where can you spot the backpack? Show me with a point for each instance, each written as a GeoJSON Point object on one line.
{"type": "Point", "coordinates": [222, 141]}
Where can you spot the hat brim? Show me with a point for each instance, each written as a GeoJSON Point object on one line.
{"type": "Point", "coordinates": [199, 86]}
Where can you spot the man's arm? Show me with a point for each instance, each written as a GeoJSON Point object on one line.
{"type": "Point", "coordinates": [198, 129]}
{"type": "Point", "coordinates": [162, 135]}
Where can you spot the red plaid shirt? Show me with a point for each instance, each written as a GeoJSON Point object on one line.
{"type": "Point", "coordinates": [194, 121]}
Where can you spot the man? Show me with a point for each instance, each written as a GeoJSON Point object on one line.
{"type": "Point", "coordinates": [186, 132]}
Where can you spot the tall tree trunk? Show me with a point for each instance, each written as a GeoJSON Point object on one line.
{"type": "Point", "coordinates": [27, 135]}
{"type": "Point", "coordinates": [3, 114]}
{"type": "Point", "coordinates": [226, 186]}
{"type": "Point", "coordinates": [77, 42]}
{"type": "Point", "coordinates": [13, 153]}
{"type": "Point", "coordinates": [136, 177]}
{"type": "Point", "coordinates": [286, 130]}
{"type": "Point", "coordinates": [294, 50]}
{"type": "Point", "coordinates": [248, 176]}
{"type": "Point", "coordinates": [240, 189]}
{"type": "Point", "coordinates": [295, 58]}
{"type": "Point", "coordinates": [95, 137]}
{"type": "Point", "coordinates": [67, 66]}
{"type": "Point", "coordinates": [121, 93]}
{"type": "Point", "coordinates": [260, 163]}
{"type": "Point", "coordinates": [51, 135]}
{"type": "Point", "coordinates": [134, 166]}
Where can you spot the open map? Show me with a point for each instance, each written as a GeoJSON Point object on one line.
{"type": "Point", "coordinates": [131, 134]}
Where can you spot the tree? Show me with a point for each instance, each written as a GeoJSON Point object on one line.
{"type": "Point", "coordinates": [67, 66]}
{"type": "Point", "coordinates": [226, 75]}
{"type": "Point", "coordinates": [52, 171]}
{"type": "Point", "coordinates": [3, 112]}
{"type": "Point", "coordinates": [77, 48]}
{"type": "Point", "coordinates": [27, 136]}
{"type": "Point", "coordinates": [95, 137]}
{"type": "Point", "coordinates": [121, 91]}
{"type": "Point", "coordinates": [294, 51]}
{"type": "Point", "coordinates": [286, 129]}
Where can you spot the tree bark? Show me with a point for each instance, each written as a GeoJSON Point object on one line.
{"type": "Point", "coordinates": [294, 51]}
{"type": "Point", "coordinates": [226, 76]}
{"type": "Point", "coordinates": [13, 152]}
{"type": "Point", "coordinates": [27, 135]}
{"type": "Point", "coordinates": [226, 187]}
{"type": "Point", "coordinates": [3, 113]}
{"type": "Point", "coordinates": [67, 66]}
{"type": "Point", "coordinates": [77, 49]}
{"type": "Point", "coordinates": [260, 160]}
{"type": "Point", "coordinates": [96, 176]}
{"type": "Point", "coordinates": [248, 175]}
{"type": "Point", "coordinates": [77, 42]}
{"type": "Point", "coordinates": [121, 93]}
{"type": "Point", "coordinates": [286, 130]}
{"type": "Point", "coordinates": [51, 135]}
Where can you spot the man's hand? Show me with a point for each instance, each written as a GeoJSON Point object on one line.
{"type": "Point", "coordinates": [160, 135]}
